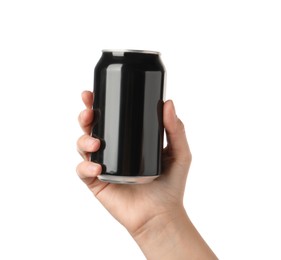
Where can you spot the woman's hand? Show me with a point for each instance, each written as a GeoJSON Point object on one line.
{"type": "Point", "coordinates": [156, 206]}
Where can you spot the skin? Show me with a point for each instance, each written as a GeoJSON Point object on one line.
{"type": "Point", "coordinates": [152, 213]}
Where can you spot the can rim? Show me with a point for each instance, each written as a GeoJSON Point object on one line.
{"type": "Point", "coordinates": [127, 179]}
{"type": "Point", "coordinates": [121, 51]}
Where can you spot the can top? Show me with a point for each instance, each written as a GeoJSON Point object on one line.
{"type": "Point", "coordinates": [120, 52]}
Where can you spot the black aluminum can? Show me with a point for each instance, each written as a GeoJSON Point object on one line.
{"type": "Point", "coordinates": [129, 86]}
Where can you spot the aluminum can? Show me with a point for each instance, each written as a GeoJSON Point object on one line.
{"type": "Point", "coordinates": [129, 88]}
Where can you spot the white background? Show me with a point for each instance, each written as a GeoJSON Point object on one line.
{"type": "Point", "coordinates": [223, 61]}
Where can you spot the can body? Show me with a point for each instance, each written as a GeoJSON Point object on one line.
{"type": "Point", "coordinates": [128, 115]}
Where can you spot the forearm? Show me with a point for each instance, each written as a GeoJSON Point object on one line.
{"type": "Point", "coordinates": [172, 237]}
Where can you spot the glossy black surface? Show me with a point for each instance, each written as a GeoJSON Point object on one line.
{"type": "Point", "coordinates": [128, 105]}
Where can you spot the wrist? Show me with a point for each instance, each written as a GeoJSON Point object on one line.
{"type": "Point", "coordinates": [159, 237]}
{"type": "Point", "coordinates": [172, 236]}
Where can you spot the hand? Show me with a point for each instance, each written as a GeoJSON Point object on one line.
{"type": "Point", "coordinates": [141, 208]}
{"type": "Point", "coordinates": [140, 202]}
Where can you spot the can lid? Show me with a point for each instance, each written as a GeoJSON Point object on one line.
{"type": "Point", "coordinates": [120, 52]}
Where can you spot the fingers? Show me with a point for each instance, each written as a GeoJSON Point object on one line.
{"type": "Point", "coordinates": [87, 144]}
{"type": "Point", "coordinates": [176, 138]}
{"type": "Point", "coordinates": [88, 98]}
{"type": "Point", "coordinates": [85, 119]}
{"type": "Point", "coordinates": [88, 171]}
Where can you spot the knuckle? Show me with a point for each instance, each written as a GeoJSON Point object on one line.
{"type": "Point", "coordinates": [80, 116]}
{"type": "Point", "coordinates": [78, 142]}
{"type": "Point", "coordinates": [188, 156]}
{"type": "Point", "coordinates": [181, 125]}
{"type": "Point", "coordinates": [81, 168]}
{"type": "Point", "coordinates": [81, 140]}
{"type": "Point", "coordinates": [78, 169]}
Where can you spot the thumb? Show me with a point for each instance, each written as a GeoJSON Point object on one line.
{"type": "Point", "coordinates": [175, 132]}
